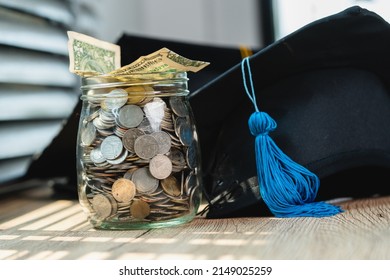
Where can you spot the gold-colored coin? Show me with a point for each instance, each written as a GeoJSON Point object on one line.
{"type": "Point", "coordinates": [171, 186]}
{"type": "Point", "coordinates": [139, 209]}
{"type": "Point", "coordinates": [137, 94]}
{"type": "Point", "coordinates": [123, 190]}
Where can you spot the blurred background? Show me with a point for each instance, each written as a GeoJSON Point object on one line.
{"type": "Point", "coordinates": [37, 91]}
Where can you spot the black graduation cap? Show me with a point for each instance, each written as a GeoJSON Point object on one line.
{"type": "Point", "coordinates": [327, 87]}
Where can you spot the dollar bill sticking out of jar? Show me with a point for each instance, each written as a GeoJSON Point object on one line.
{"type": "Point", "coordinates": [89, 56]}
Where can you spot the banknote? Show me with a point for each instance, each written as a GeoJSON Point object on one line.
{"type": "Point", "coordinates": [89, 56]}
{"type": "Point", "coordinates": [161, 61]}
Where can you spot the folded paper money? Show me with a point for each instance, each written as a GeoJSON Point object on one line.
{"type": "Point", "coordinates": [221, 58]}
{"type": "Point", "coordinates": [89, 56]}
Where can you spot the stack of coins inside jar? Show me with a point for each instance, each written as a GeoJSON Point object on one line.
{"type": "Point", "coordinates": [138, 152]}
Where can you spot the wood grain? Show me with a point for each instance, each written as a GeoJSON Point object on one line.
{"type": "Point", "coordinates": [38, 227]}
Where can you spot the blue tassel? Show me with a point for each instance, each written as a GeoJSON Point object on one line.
{"type": "Point", "coordinates": [287, 188]}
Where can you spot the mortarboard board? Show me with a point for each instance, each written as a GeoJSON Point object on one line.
{"type": "Point", "coordinates": [327, 87]}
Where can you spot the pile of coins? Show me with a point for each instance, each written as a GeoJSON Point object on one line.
{"type": "Point", "coordinates": [138, 155]}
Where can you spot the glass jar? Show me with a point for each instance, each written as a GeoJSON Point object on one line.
{"type": "Point", "coordinates": [138, 159]}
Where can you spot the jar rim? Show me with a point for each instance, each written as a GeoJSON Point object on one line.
{"type": "Point", "coordinates": [141, 78]}
{"type": "Point", "coordinates": [95, 87]}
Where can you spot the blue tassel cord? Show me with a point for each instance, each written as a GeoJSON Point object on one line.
{"type": "Point", "coordinates": [287, 188]}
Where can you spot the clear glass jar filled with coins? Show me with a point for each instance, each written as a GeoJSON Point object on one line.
{"type": "Point", "coordinates": [138, 159]}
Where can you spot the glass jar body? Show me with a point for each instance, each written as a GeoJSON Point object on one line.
{"type": "Point", "coordinates": [138, 159]}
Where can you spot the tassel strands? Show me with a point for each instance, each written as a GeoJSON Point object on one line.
{"type": "Point", "coordinates": [288, 189]}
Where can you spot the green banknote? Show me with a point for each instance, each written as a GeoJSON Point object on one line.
{"type": "Point", "coordinates": [89, 56]}
{"type": "Point", "coordinates": [163, 60]}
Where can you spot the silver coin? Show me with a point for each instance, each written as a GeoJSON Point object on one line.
{"type": "Point", "coordinates": [129, 137]}
{"type": "Point", "coordinates": [119, 131]}
{"type": "Point", "coordinates": [88, 134]}
{"type": "Point", "coordinates": [130, 116]}
{"type": "Point", "coordinates": [183, 200]}
{"type": "Point", "coordinates": [105, 132]}
{"type": "Point", "coordinates": [129, 174]}
{"type": "Point", "coordinates": [92, 116]}
{"type": "Point", "coordinates": [192, 155]}
{"type": "Point", "coordinates": [165, 204]}
{"type": "Point", "coordinates": [191, 182]}
{"type": "Point", "coordinates": [99, 123]}
{"type": "Point", "coordinates": [163, 140]}
{"type": "Point", "coordinates": [144, 181]}
{"type": "Point", "coordinates": [121, 158]}
{"type": "Point", "coordinates": [178, 106]}
{"type": "Point", "coordinates": [108, 117]}
{"type": "Point", "coordinates": [184, 131]}
{"type": "Point", "coordinates": [175, 141]}
{"type": "Point", "coordinates": [177, 157]}
{"type": "Point", "coordinates": [160, 166]}
{"type": "Point", "coordinates": [146, 146]}
{"type": "Point", "coordinates": [97, 156]}
{"type": "Point", "coordinates": [115, 99]}
{"type": "Point", "coordinates": [150, 198]}
{"type": "Point", "coordinates": [111, 147]}
{"type": "Point", "coordinates": [145, 126]}
{"type": "Point", "coordinates": [167, 126]}
{"type": "Point", "coordinates": [179, 207]}
{"type": "Point", "coordinates": [167, 121]}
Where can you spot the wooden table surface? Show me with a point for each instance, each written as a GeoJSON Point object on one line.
{"type": "Point", "coordinates": [34, 225]}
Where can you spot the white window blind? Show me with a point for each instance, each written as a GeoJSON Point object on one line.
{"type": "Point", "coordinates": [37, 91]}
